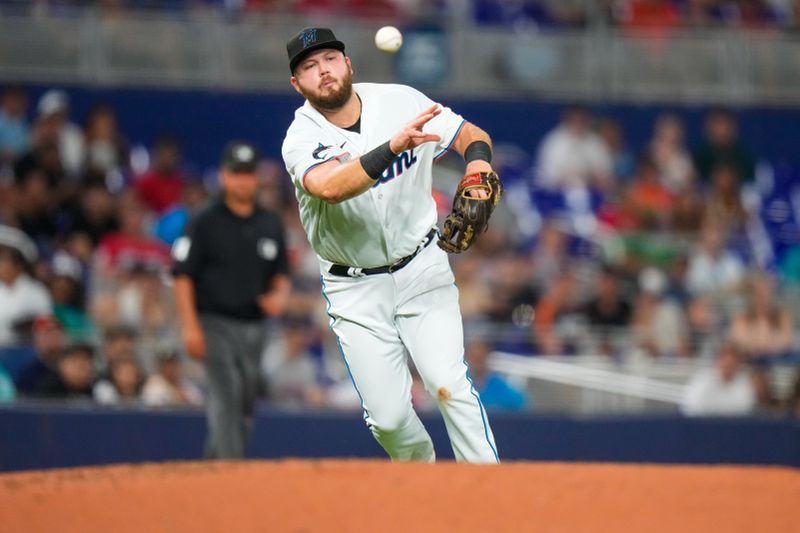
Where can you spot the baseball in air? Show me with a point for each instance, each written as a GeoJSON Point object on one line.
{"type": "Point", "coordinates": [388, 39]}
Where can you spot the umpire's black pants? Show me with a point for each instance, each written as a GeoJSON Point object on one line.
{"type": "Point", "coordinates": [233, 356]}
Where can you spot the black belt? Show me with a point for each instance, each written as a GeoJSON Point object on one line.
{"type": "Point", "coordinates": [357, 272]}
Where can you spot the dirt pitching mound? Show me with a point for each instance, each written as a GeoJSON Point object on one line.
{"type": "Point", "coordinates": [377, 496]}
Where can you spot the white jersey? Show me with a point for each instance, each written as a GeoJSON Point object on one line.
{"type": "Point", "coordinates": [387, 222]}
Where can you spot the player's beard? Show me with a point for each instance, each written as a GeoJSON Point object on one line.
{"type": "Point", "coordinates": [335, 99]}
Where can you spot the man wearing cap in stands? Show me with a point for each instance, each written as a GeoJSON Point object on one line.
{"type": "Point", "coordinates": [53, 108]}
{"type": "Point", "coordinates": [231, 270]}
{"type": "Point", "coordinates": [23, 297]}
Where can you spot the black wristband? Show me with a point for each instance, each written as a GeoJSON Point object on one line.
{"type": "Point", "coordinates": [377, 160]}
{"type": "Point", "coordinates": [478, 150]}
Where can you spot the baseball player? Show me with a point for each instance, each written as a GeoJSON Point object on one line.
{"type": "Point", "coordinates": [360, 156]}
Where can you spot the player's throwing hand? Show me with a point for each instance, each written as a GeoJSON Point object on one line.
{"type": "Point", "coordinates": [412, 135]}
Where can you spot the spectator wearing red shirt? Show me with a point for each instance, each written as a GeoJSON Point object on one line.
{"type": "Point", "coordinates": [639, 14]}
{"type": "Point", "coordinates": [131, 245]}
{"type": "Point", "coordinates": [161, 187]}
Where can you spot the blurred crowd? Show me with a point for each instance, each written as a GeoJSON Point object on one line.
{"type": "Point", "coordinates": [595, 250]}
{"type": "Point", "coordinates": [641, 14]}
{"type": "Point", "coordinates": [671, 253]}
{"type": "Point", "coordinates": [629, 14]}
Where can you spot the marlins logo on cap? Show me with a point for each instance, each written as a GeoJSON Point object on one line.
{"type": "Point", "coordinates": [309, 37]}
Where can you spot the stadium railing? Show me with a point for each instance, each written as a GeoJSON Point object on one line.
{"type": "Point", "coordinates": [599, 63]}
{"type": "Point", "coordinates": [599, 384]}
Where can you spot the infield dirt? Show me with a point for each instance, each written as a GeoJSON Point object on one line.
{"type": "Point", "coordinates": [375, 496]}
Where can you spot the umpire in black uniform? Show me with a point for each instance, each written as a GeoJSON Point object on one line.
{"type": "Point", "coordinates": [230, 270]}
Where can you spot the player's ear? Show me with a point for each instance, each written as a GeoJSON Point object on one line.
{"type": "Point", "coordinates": [349, 65]}
{"type": "Point", "coordinates": [296, 85]}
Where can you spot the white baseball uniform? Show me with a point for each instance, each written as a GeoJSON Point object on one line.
{"type": "Point", "coordinates": [379, 319]}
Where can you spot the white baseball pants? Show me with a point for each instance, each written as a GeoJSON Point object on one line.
{"type": "Point", "coordinates": [381, 319]}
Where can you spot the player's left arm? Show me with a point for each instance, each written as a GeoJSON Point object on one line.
{"type": "Point", "coordinates": [475, 146]}
{"type": "Point", "coordinates": [469, 134]}
{"type": "Point", "coordinates": [477, 194]}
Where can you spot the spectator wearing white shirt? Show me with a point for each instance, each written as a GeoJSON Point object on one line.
{"type": "Point", "coordinates": [722, 390]}
{"type": "Point", "coordinates": [53, 107]}
{"type": "Point", "coordinates": [168, 386]}
{"type": "Point", "coordinates": [122, 385]}
{"type": "Point", "coordinates": [659, 324]}
{"type": "Point", "coordinates": [573, 156]}
{"type": "Point", "coordinates": [670, 155]}
{"type": "Point", "coordinates": [712, 269]}
{"type": "Point", "coordinates": [22, 298]}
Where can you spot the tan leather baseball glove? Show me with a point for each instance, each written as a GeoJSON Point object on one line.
{"type": "Point", "coordinates": [470, 215]}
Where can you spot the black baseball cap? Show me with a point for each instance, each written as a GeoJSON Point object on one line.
{"type": "Point", "coordinates": [308, 40]}
{"type": "Point", "coordinates": [240, 157]}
